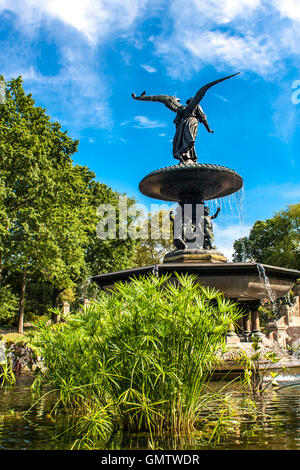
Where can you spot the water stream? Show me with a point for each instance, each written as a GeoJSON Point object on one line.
{"type": "Point", "coordinates": [267, 286]}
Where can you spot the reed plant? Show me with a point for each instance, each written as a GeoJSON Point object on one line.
{"type": "Point", "coordinates": [7, 376]}
{"type": "Point", "coordinates": [140, 357]}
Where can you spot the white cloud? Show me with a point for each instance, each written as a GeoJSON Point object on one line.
{"type": "Point", "coordinates": [288, 8]}
{"type": "Point", "coordinates": [226, 236]}
{"type": "Point", "coordinates": [143, 122]}
{"type": "Point", "coordinates": [254, 35]}
{"type": "Point", "coordinates": [76, 95]}
{"type": "Point", "coordinates": [242, 53]}
{"type": "Point", "coordinates": [94, 19]}
{"type": "Point", "coordinates": [76, 86]}
{"type": "Point", "coordinates": [75, 91]}
{"type": "Point", "coordinates": [149, 68]}
{"type": "Point", "coordinates": [221, 11]}
{"type": "Point", "coordinates": [250, 35]}
{"type": "Point", "coordinates": [286, 131]}
{"type": "Point", "coordinates": [222, 98]}
{"type": "Point", "coordinates": [244, 34]}
{"type": "Point", "coordinates": [146, 123]}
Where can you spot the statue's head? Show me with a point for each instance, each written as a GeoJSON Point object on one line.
{"type": "Point", "coordinates": [206, 210]}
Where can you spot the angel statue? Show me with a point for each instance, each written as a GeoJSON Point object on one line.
{"type": "Point", "coordinates": [186, 121]}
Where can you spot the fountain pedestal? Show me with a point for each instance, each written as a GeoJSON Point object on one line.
{"type": "Point", "coordinates": [256, 331]}
{"type": "Point", "coordinates": [195, 256]}
{"type": "Point", "coordinates": [246, 327]}
{"type": "Point", "coordinates": [190, 185]}
{"type": "Point", "coordinates": [232, 337]}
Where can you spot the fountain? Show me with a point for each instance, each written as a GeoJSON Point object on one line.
{"type": "Point", "coordinates": [190, 184]}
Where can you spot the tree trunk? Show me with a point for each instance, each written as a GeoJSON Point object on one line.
{"type": "Point", "coordinates": [1, 267]}
{"type": "Point", "coordinates": [22, 301]}
{"type": "Point", "coordinates": [55, 294]}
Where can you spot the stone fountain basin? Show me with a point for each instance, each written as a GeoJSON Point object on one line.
{"type": "Point", "coordinates": [203, 181]}
{"type": "Point", "coordinates": [239, 281]}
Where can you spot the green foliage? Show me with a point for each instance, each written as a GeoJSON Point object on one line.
{"type": "Point", "coordinates": [257, 369]}
{"type": "Point", "coordinates": [7, 376]}
{"type": "Point", "coordinates": [48, 208]}
{"type": "Point", "coordinates": [273, 311]}
{"type": "Point", "coordinates": [20, 356]}
{"type": "Point", "coordinates": [35, 161]}
{"type": "Point", "coordinates": [111, 254]}
{"type": "Point", "coordinates": [139, 357]}
{"type": "Point", "coordinates": [8, 305]}
{"type": "Point", "coordinates": [159, 242]}
{"type": "Point", "coordinates": [294, 350]}
{"type": "Point", "coordinates": [274, 241]}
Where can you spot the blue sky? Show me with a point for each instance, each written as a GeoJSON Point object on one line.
{"type": "Point", "coordinates": [82, 59]}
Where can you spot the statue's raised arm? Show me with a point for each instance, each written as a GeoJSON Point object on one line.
{"type": "Point", "coordinates": [171, 102]}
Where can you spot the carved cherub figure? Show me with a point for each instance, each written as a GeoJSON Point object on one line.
{"type": "Point", "coordinates": [208, 228]}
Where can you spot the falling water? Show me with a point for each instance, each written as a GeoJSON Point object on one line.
{"type": "Point", "coordinates": [267, 286]}
{"type": "Point", "coordinates": [2, 352]}
{"type": "Point", "coordinates": [155, 270]}
{"type": "Point", "coordinates": [229, 203]}
{"type": "Point", "coordinates": [288, 298]}
{"type": "Point", "coordinates": [83, 288]}
{"type": "Point", "coordinates": [233, 202]}
{"type": "Point", "coordinates": [238, 199]}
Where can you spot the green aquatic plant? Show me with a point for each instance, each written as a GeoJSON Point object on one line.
{"type": "Point", "coordinates": [7, 376]}
{"type": "Point", "coordinates": [138, 359]}
{"type": "Point", "coordinates": [257, 375]}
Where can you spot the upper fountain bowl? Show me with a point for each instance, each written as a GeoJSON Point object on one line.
{"type": "Point", "coordinates": [201, 181]}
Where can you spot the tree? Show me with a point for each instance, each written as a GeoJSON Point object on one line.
{"type": "Point", "coordinates": [33, 151]}
{"type": "Point", "coordinates": [69, 220]}
{"type": "Point", "coordinates": [159, 241]}
{"type": "Point", "coordinates": [275, 241]}
{"type": "Point", "coordinates": [111, 254]}
{"type": "Point", "coordinates": [48, 205]}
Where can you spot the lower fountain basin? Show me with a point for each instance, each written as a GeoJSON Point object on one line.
{"type": "Point", "coordinates": [239, 281]}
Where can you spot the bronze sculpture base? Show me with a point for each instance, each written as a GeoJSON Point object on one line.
{"type": "Point", "coordinates": [195, 256]}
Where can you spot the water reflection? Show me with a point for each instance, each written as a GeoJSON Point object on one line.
{"type": "Point", "coordinates": [274, 422]}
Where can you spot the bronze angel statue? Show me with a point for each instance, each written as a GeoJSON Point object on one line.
{"type": "Point", "coordinates": [186, 121]}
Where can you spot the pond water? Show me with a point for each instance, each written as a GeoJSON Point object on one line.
{"type": "Point", "coordinates": [274, 424]}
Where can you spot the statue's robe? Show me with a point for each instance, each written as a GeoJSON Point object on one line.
{"type": "Point", "coordinates": [186, 132]}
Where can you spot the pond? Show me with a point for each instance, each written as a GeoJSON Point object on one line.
{"type": "Point", "coordinates": [274, 424]}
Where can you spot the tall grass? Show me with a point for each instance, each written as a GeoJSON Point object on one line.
{"type": "Point", "coordinates": [7, 376]}
{"type": "Point", "coordinates": [140, 357]}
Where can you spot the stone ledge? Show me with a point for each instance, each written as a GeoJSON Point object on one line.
{"type": "Point", "coordinates": [195, 256]}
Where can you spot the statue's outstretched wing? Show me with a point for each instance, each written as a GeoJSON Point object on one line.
{"type": "Point", "coordinates": [200, 93]}
{"type": "Point", "coordinates": [171, 102]}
